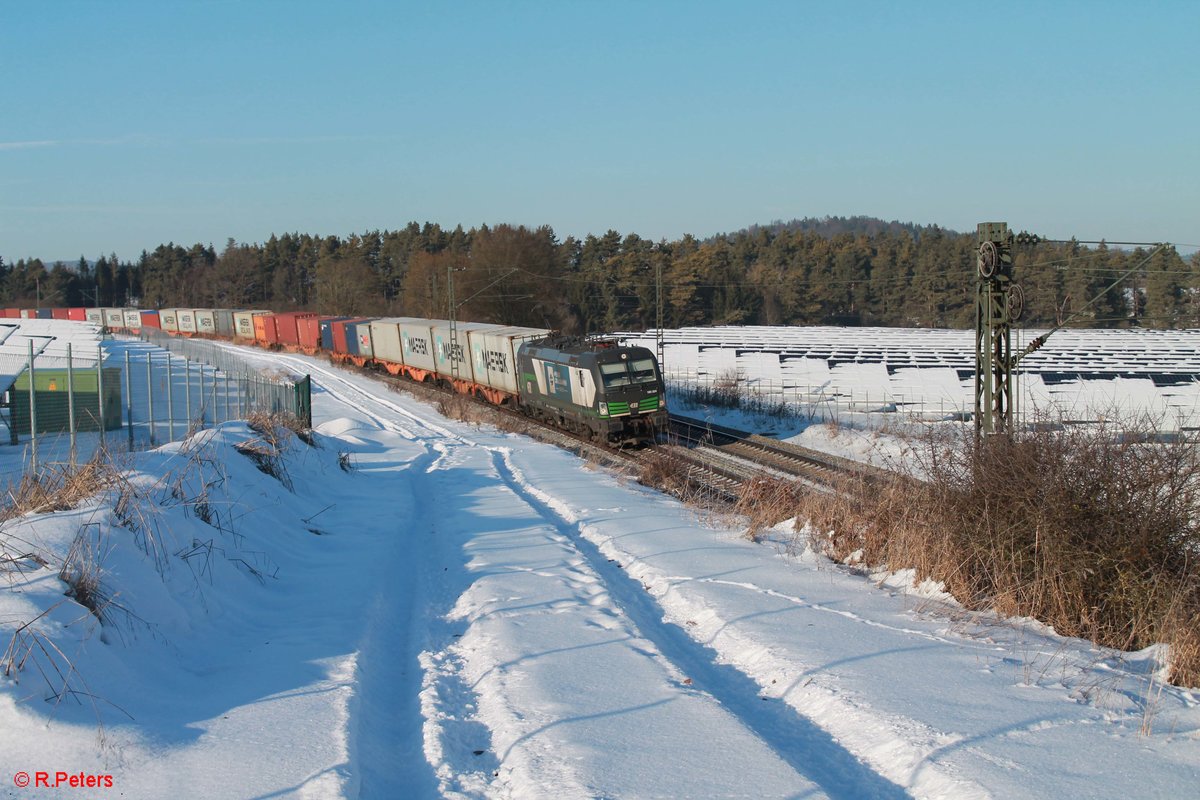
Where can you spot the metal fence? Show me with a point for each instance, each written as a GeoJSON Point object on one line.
{"type": "Point", "coordinates": [259, 389]}
{"type": "Point", "coordinates": [813, 402]}
{"type": "Point", "coordinates": [138, 394]}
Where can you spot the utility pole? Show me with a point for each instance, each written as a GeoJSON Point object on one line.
{"type": "Point", "coordinates": [998, 303]}
{"type": "Point", "coordinates": [658, 301]}
{"type": "Point", "coordinates": [453, 321]}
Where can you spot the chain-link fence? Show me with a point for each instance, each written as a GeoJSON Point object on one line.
{"type": "Point", "coordinates": [257, 388]}
{"type": "Point", "coordinates": [136, 394]}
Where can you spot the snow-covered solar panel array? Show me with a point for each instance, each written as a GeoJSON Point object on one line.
{"type": "Point", "coordinates": [1077, 372]}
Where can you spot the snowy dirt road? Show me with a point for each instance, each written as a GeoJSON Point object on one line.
{"type": "Point", "coordinates": [486, 616]}
{"type": "Point", "coordinates": [595, 639]}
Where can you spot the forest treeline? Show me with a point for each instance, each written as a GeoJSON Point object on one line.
{"type": "Point", "coordinates": [842, 271]}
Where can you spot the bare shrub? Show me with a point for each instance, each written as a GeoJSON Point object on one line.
{"type": "Point", "coordinates": [1091, 531]}
{"type": "Point", "coordinates": [456, 406]}
{"type": "Point", "coordinates": [728, 390]}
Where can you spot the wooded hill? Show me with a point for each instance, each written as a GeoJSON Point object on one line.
{"type": "Point", "coordinates": [842, 271]}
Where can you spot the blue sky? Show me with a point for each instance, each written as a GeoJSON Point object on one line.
{"type": "Point", "coordinates": [128, 124]}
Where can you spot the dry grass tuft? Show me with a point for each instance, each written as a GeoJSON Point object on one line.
{"type": "Point", "coordinates": [766, 502]}
{"type": "Point", "coordinates": [81, 571]}
{"type": "Point", "coordinates": [267, 450]}
{"type": "Point", "coordinates": [659, 471]}
{"type": "Point", "coordinates": [273, 424]}
{"type": "Point", "coordinates": [59, 487]}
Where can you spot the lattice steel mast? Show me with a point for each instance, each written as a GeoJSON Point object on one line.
{"type": "Point", "coordinates": [998, 303]}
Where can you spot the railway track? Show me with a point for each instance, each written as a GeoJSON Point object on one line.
{"type": "Point", "coordinates": [710, 460]}
{"type": "Point", "coordinates": [769, 456]}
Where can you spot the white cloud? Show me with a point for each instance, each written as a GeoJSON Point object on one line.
{"type": "Point", "coordinates": [27, 145]}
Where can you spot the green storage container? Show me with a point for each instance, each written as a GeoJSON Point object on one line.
{"type": "Point", "coordinates": [52, 401]}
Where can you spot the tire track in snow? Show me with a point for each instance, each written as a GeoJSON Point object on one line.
{"type": "Point", "coordinates": [801, 602]}
{"type": "Point", "coordinates": [897, 747]}
{"type": "Point", "coordinates": [410, 736]}
{"type": "Point", "coordinates": [452, 755]}
{"type": "Point", "coordinates": [387, 744]}
{"type": "Point", "coordinates": [809, 749]}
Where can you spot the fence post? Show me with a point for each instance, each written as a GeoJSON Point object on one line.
{"type": "Point", "coordinates": [212, 397]}
{"type": "Point", "coordinates": [150, 397]}
{"type": "Point", "coordinates": [304, 398]}
{"type": "Point", "coordinates": [33, 453]}
{"type": "Point", "coordinates": [203, 397]}
{"type": "Point", "coordinates": [226, 374]}
{"type": "Point", "coordinates": [171, 398]}
{"type": "Point", "coordinates": [187, 390]}
{"type": "Point", "coordinates": [128, 400]}
{"type": "Point", "coordinates": [100, 389]}
{"type": "Point", "coordinates": [71, 400]}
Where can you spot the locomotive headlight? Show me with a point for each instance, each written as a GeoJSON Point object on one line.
{"type": "Point", "coordinates": [603, 409]}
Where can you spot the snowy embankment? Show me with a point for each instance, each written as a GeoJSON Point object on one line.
{"type": "Point", "coordinates": [471, 614]}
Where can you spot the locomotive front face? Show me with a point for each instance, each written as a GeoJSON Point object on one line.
{"type": "Point", "coordinates": [629, 384]}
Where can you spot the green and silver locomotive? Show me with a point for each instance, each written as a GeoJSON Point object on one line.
{"type": "Point", "coordinates": [596, 387]}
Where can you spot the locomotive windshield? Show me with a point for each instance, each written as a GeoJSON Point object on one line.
{"type": "Point", "coordinates": [628, 373]}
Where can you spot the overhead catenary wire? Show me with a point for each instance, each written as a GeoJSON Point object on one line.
{"type": "Point", "coordinates": [1041, 340]}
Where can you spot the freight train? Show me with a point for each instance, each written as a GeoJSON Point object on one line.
{"type": "Point", "coordinates": [594, 387]}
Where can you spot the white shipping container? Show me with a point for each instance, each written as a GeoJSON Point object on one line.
{"type": "Point", "coordinates": [493, 353]}
{"type": "Point", "coordinates": [186, 319]}
{"type": "Point", "coordinates": [418, 343]}
{"type": "Point", "coordinates": [94, 316]}
{"type": "Point", "coordinates": [114, 318]}
{"type": "Point", "coordinates": [448, 353]}
{"type": "Point", "coordinates": [206, 320]}
{"type": "Point", "coordinates": [133, 319]}
{"type": "Point", "coordinates": [362, 344]}
{"type": "Point", "coordinates": [168, 318]}
{"type": "Point", "coordinates": [385, 339]}
{"type": "Point", "coordinates": [243, 324]}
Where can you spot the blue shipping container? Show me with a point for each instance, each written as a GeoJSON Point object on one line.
{"type": "Point", "coordinates": [326, 328]}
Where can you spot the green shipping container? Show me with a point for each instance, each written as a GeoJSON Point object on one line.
{"type": "Point", "coordinates": [52, 399]}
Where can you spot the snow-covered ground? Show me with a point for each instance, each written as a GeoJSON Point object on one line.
{"type": "Point", "coordinates": [468, 613]}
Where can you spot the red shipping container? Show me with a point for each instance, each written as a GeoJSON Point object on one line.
{"type": "Point", "coordinates": [309, 331]}
{"type": "Point", "coordinates": [12, 313]}
{"type": "Point", "coordinates": [339, 334]}
{"type": "Point", "coordinates": [77, 314]}
{"type": "Point", "coordinates": [59, 313]}
{"type": "Point", "coordinates": [150, 320]}
{"type": "Point", "coordinates": [287, 327]}
{"type": "Point", "coordinates": [270, 329]}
